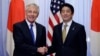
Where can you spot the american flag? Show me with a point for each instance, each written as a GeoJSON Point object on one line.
{"type": "Point", "coordinates": [54, 18]}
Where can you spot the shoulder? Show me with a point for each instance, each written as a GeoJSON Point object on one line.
{"type": "Point", "coordinates": [58, 26]}
{"type": "Point", "coordinates": [18, 24]}
{"type": "Point", "coordinates": [78, 26]}
{"type": "Point", "coordinates": [39, 25]}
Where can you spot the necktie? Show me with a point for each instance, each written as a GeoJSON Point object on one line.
{"type": "Point", "coordinates": [32, 33]}
{"type": "Point", "coordinates": [64, 33]}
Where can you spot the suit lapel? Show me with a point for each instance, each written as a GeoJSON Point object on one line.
{"type": "Point", "coordinates": [27, 31]}
{"type": "Point", "coordinates": [60, 33]}
{"type": "Point", "coordinates": [38, 32]}
{"type": "Point", "coordinates": [70, 32]}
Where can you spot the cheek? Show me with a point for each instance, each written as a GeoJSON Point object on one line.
{"type": "Point", "coordinates": [35, 15]}
{"type": "Point", "coordinates": [62, 14]}
{"type": "Point", "coordinates": [28, 14]}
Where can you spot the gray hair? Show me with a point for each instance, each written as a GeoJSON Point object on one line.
{"type": "Point", "coordinates": [32, 4]}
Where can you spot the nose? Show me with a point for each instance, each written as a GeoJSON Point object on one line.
{"type": "Point", "coordinates": [65, 13]}
{"type": "Point", "coordinates": [32, 13]}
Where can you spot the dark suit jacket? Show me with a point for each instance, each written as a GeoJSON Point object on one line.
{"type": "Point", "coordinates": [24, 45]}
{"type": "Point", "coordinates": [75, 43]}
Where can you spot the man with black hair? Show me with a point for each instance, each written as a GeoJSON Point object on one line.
{"type": "Point", "coordinates": [69, 37]}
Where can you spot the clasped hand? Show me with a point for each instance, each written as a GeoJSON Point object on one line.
{"type": "Point", "coordinates": [42, 50]}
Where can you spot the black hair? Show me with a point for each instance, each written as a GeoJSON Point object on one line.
{"type": "Point", "coordinates": [67, 5]}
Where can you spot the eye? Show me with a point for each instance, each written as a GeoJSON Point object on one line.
{"type": "Point", "coordinates": [29, 11]}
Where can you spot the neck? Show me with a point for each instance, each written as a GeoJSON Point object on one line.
{"type": "Point", "coordinates": [67, 21]}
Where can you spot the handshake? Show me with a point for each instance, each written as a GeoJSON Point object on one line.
{"type": "Point", "coordinates": [42, 50]}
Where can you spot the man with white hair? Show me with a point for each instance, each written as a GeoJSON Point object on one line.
{"type": "Point", "coordinates": [29, 36]}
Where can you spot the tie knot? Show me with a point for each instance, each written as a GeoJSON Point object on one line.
{"type": "Point", "coordinates": [65, 25]}
{"type": "Point", "coordinates": [31, 25]}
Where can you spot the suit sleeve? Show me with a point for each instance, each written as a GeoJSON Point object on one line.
{"type": "Point", "coordinates": [43, 37]}
{"type": "Point", "coordinates": [82, 42]}
{"type": "Point", "coordinates": [19, 41]}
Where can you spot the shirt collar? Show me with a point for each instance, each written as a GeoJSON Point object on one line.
{"type": "Point", "coordinates": [29, 23]}
{"type": "Point", "coordinates": [68, 23]}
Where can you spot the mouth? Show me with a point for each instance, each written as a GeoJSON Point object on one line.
{"type": "Point", "coordinates": [31, 16]}
{"type": "Point", "coordinates": [66, 16]}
